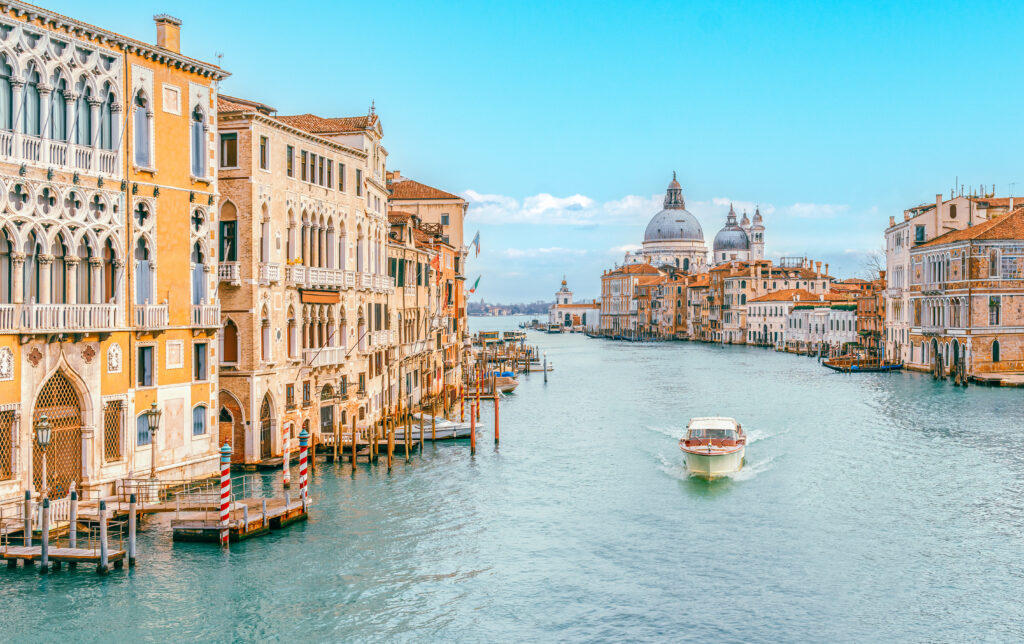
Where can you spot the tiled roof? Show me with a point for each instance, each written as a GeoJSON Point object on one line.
{"type": "Point", "coordinates": [697, 281]}
{"type": "Point", "coordinates": [399, 217]}
{"type": "Point", "coordinates": [634, 269]}
{"type": "Point", "coordinates": [319, 125]}
{"type": "Point", "coordinates": [409, 189]}
{"type": "Point", "coordinates": [786, 295]}
{"type": "Point", "coordinates": [1008, 226]}
{"type": "Point", "coordinates": [227, 103]}
{"type": "Point", "coordinates": [997, 202]}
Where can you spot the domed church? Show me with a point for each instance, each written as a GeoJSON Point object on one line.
{"type": "Point", "coordinates": [742, 241]}
{"type": "Point", "coordinates": [674, 236]}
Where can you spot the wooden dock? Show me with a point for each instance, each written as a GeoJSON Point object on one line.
{"type": "Point", "coordinates": [247, 519]}
{"type": "Point", "coordinates": [30, 554]}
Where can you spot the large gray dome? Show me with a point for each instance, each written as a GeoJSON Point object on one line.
{"type": "Point", "coordinates": [675, 222]}
{"type": "Point", "coordinates": [731, 237]}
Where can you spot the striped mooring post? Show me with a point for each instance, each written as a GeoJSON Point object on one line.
{"type": "Point", "coordinates": [286, 477]}
{"type": "Point", "coordinates": [303, 447]}
{"type": "Point", "coordinates": [225, 492]}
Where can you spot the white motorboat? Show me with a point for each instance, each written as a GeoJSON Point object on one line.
{"type": "Point", "coordinates": [443, 429]}
{"type": "Point", "coordinates": [713, 446]}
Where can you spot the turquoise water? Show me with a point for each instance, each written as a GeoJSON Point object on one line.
{"type": "Point", "coordinates": [872, 508]}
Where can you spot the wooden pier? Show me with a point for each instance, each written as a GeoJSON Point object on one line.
{"type": "Point", "coordinates": [247, 519]}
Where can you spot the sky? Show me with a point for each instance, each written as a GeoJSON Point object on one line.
{"type": "Point", "coordinates": [562, 122]}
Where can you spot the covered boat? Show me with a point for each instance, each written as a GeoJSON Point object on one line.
{"type": "Point", "coordinates": [859, 364]}
{"type": "Point", "coordinates": [713, 446]}
{"type": "Point", "coordinates": [442, 428]}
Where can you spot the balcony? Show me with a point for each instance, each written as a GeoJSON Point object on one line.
{"type": "Point", "coordinates": [270, 274]}
{"type": "Point", "coordinates": [325, 278]}
{"type": "Point", "coordinates": [324, 356]}
{"type": "Point", "coordinates": [365, 280]}
{"type": "Point", "coordinates": [62, 155]}
{"type": "Point", "coordinates": [295, 275]}
{"type": "Point", "coordinates": [350, 279]}
{"type": "Point", "coordinates": [151, 316]}
{"type": "Point", "coordinates": [69, 318]}
{"type": "Point", "coordinates": [206, 315]}
{"type": "Point", "coordinates": [230, 272]}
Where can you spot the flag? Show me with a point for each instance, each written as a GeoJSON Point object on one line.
{"type": "Point", "coordinates": [475, 284]}
{"type": "Point", "coordinates": [476, 242]}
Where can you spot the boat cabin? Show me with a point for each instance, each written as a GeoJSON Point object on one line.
{"type": "Point", "coordinates": [725, 432]}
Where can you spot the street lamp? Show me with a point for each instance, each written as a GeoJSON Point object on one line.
{"type": "Point", "coordinates": [153, 418]}
{"type": "Point", "coordinates": [43, 434]}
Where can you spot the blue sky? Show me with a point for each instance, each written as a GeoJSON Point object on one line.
{"type": "Point", "coordinates": [564, 121]}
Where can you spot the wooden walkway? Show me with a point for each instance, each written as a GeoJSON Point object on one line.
{"type": "Point", "coordinates": [13, 554]}
{"type": "Point", "coordinates": [246, 519]}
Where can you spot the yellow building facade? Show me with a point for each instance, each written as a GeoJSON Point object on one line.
{"type": "Point", "coordinates": [106, 149]}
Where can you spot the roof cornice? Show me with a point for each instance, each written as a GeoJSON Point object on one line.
{"type": "Point", "coordinates": [243, 115]}
{"type": "Point", "coordinates": [129, 45]}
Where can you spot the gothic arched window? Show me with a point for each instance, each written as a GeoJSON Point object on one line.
{"type": "Point", "coordinates": [140, 122]}
{"type": "Point", "coordinates": [198, 140]}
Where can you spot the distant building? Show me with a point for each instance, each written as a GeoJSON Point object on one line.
{"type": "Point", "coordinates": [673, 236]}
{"type": "Point", "coordinates": [618, 305]}
{"type": "Point", "coordinates": [741, 241]}
{"type": "Point", "coordinates": [575, 316]}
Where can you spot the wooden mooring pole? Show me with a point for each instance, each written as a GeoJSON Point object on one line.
{"type": "Point", "coordinates": [102, 567]}
{"type": "Point", "coordinates": [472, 430]}
{"type": "Point", "coordinates": [44, 546]}
{"type": "Point", "coordinates": [73, 520]}
{"type": "Point", "coordinates": [132, 514]}
{"type": "Point", "coordinates": [28, 518]}
{"type": "Point", "coordinates": [496, 424]}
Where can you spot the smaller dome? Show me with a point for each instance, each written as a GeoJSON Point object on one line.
{"type": "Point", "coordinates": [757, 216]}
{"type": "Point", "coordinates": [745, 221]}
{"type": "Point", "coordinates": [731, 237]}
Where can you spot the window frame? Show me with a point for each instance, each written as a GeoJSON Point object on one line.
{"type": "Point", "coordinates": [153, 364]}
{"type": "Point", "coordinates": [221, 151]}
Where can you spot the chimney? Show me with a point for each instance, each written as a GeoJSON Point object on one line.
{"type": "Point", "coordinates": [817, 269]}
{"type": "Point", "coordinates": [168, 32]}
{"type": "Point", "coordinates": [892, 221]}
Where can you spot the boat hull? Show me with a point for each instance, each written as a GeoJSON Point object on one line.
{"type": "Point", "coordinates": [714, 464]}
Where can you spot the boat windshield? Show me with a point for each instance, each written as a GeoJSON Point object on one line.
{"type": "Point", "coordinates": [707, 433]}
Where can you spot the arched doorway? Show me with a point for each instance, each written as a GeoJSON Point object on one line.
{"type": "Point", "coordinates": [59, 401]}
{"type": "Point", "coordinates": [265, 429]}
{"type": "Point", "coordinates": [232, 426]}
{"type": "Point", "coordinates": [995, 351]}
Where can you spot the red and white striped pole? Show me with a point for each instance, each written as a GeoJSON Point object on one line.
{"type": "Point", "coordinates": [225, 492]}
{"type": "Point", "coordinates": [287, 476]}
{"type": "Point", "coordinates": [303, 447]}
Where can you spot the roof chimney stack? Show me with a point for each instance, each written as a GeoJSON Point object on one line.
{"type": "Point", "coordinates": [168, 32]}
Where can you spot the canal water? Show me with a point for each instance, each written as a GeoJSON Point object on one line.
{"type": "Point", "coordinates": [872, 508]}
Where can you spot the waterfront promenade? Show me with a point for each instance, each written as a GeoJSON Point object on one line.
{"type": "Point", "coordinates": [873, 508]}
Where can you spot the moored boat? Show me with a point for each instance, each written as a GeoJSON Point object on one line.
{"type": "Point", "coordinates": [713, 446]}
{"type": "Point", "coordinates": [857, 364]}
{"type": "Point", "coordinates": [442, 428]}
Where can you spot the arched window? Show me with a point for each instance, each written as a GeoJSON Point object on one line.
{"type": "Point", "coordinates": [109, 273]}
{"type": "Point", "coordinates": [198, 275]}
{"type": "Point", "coordinates": [83, 116]}
{"type": "Point", "coordinates": [686, 264]}
{"type": "Point", "coordinates": [58, 273]}
{"type": "Point", "coordinates": [6, 268]}
{"type": "Point", "coordinates": [83, 283]}
{"type": "Point", "coordinates": [229, 342]}
{"type": "Point", "coordinates": [143, 437]}
{"type": "Point", "coordinates": [58, 129]}
{"type": "Point", "coordinates": [31, 269]}
{"type": "Point", "coordinates": [995, 351]}
{"type": "Point", "coordinates": [293, 343]}
{"type": "Point", "coordinates": [952, 211]}
{"type": "Point", "coordinates": [143, 273]}
{"type": "Point", "coordinates": [140, 122]}
{"type": "Point", "coordinates": [30, 103]}
{"type": "Point", "coordinates": [228, 232]}
{"type": "Point", "coordinates": [6, 97]}
{"type": "Point", "coordinates": [198, 420]}
{"type": "Point", "coordinates": [198, 143]}
{"type": "Point", "coordinates": [107, 119]}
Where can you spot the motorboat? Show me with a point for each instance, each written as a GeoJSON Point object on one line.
{"type": "Point", "coordinates": [504, 381]}
{"type": "Point", "coordinates": [858, 364]}
{"type": "Point", "coordinates": [713, 446]}
{"type": "Point", "coordinates": [442, 428]}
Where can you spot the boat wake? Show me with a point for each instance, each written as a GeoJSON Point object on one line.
{"type": "Point", "coordinates": [673, 432]}
{"type": "Point", "coordinates": [677, 469]}
{"type": "Point", "coordinates": [753, 435]}
{"type": "Point", "coordinates": [756, 435]}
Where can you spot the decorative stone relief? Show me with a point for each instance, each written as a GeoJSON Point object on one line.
{"type": "Point", "coordinates": [88, 353]}
{"type": "Point", "coordinates": [6, 364]}
{"type": "Point", "coordinates": [114, 358]}
{"type": "Point", "coordinates": [35, 356]}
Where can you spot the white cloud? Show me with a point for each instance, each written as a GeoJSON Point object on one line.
{"type": "Point", "coordinates": [626, 248]}
{"type": "Point", "coordinates": [534, 253]}
{"type": "Point", "coordinates": [544, 208]}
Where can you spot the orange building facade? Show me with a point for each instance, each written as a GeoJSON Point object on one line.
{"type": "Point", "coordinates": [106, 269]}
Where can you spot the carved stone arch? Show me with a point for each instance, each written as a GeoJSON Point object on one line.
{"type": "Point", "coordinates": [227, 205]}
{"type": "Point", "coordinates": [64, 397]}
{"type": "Point", "coordinates": [267, 424]}
{"type": "Point", "coordinates": [264, 212]}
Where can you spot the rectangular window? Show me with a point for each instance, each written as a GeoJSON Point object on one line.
{"type": "Point", "coordinates": [359, 182]}
{"type": "Point", "coordinates": [320, 171]}
{"type": "Point", "coordinates": [918, 234]}
{"type": "Point", "coordinates": [341, 177]}
{"type": "Point", "coordinates": [145, 367]}
{"type": "Point", "coordinates": [305, 165]}
{"type": "Point", "coordinates": [264, 153]}
{"type": "Point", "coordinates": [444, 219]}
{"type": "Point", "coordinates": [362, 383]}
{"type": "Point", "coordinates": [199, 370]}
{"type": "Point", "coordinates": [343, 387]}
{"type": "Point", "coordinates": [229, 150]}
{"type": "Point", "coordinates": [330, 174]}
{"type": "Point", "coordinates": [142, 435]}
{"type": "Point", "coordinates": [289, 395]}
{"type": "Point", "coordinates": [305, 392]}
{"type": "Point", "coordinates": [289, 161]}
{"type": "Point", "coordinates": [993, 263]}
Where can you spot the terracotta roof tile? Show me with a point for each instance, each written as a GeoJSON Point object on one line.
{"type": "Point", "coordinates": [319, 125]}
{"type": "Point", "coordinates": [409, 189]}
{"type": "Point", "coordinates": [1008, 226]}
